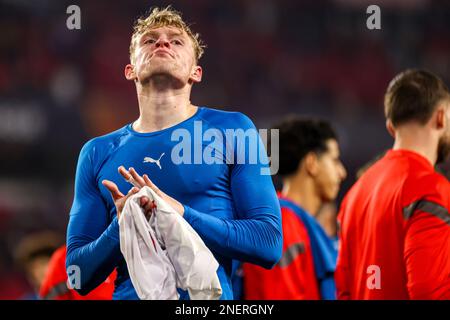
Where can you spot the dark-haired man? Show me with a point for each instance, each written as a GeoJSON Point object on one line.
{"type": "Point", "coordinates": [395, 223]}
{"type": "Point", "coordinates": [311, 173]}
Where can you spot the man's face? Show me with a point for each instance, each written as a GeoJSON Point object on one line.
{"type": "Point", "coordinates": [330, 172]}
{"type": "Point", "coordinates": [444, 141]}
{"type": "Point", "coordinates": [165, 52]}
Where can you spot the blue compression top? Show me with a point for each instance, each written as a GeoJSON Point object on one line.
{"type": "Point", "coordinates": [229, 203]}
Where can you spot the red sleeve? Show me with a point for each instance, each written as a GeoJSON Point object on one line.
{"type": "Point", "coordinates": [427, 238]}
{"type": "Point", "coordinates": [54, 284]}
{"type": "Point", "coordinates": [342, 271]}
{"type": "Point", "coordinates": [293, 278]}
{"type": "Point", "coordinates": [103, 292]}
{"type": "Point", "coordinates": [427, 256]}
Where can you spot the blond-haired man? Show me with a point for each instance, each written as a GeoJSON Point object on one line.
{"type": "Point", "coordinates": [230, 204]}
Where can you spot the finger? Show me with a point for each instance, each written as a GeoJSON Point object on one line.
{"type": "Point", "coordinates": [124, 172]}
{"type": "Point", "coordinates": [133, 191]}
{"type": "Point", "coordinates": [149, 183]}
{"type": "Point", "coordinates": [149, 206]}
{"type": "Point", "coordinates": [136, 177]}
{"type": "Point", "coordinates": [144, 201]}
{"type": "Point", "coordinates": [128, 177]}
{"type": "Point", "coordinates": [113, 189]}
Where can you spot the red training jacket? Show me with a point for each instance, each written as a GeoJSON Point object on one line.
{"type": "Point", "coordinates": [54, 286]}
{"type": "Point", "coordinates": [293, 278]}
{"type": "Point", "coordinates": [395, 232]}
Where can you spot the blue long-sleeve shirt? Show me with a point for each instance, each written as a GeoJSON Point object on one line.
{"type": "Point", "coordinates": [229, 203]}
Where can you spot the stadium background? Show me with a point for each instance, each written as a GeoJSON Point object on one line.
{"type": "Point", "coordinates": [60, 87]}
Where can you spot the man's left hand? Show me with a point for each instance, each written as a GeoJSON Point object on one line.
{"type": "Point", "coordinates": [138, 181]}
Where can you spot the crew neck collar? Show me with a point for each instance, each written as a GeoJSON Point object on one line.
{"type": "Point", "coordinates": [410, 154]}
{"type": "Point", "coordinates": [148, 134]}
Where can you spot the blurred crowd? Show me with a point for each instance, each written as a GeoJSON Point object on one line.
{"type": "Point", "coordinates": [266, 58]}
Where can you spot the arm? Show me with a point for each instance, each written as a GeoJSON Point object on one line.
{"type": "Point", "coordinates": [328, 288]}
{"type": "Point", "coordinates": [427, 254]}
{"type": "Point", "coordinates": [92, 241]}
{"type": "Point", "coordinates": [255, 235]}
{"type": "Point", "coordinates": [293, 276]}
{"type": "Point", "coordinates": [342, 270]}
{"type": "Point", "coordinates": [340, 277]}
{"type": "Point", "coordinates": [53, 286]}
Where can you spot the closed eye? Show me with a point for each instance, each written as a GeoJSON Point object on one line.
{"type": "Point", "coordinates": [177, 42]}
{"type": "Point", "coordinates": [150, 40]}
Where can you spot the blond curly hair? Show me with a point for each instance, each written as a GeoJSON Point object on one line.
{"type": "Point", "coordinates": [162, 18]}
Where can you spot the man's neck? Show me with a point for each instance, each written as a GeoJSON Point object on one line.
{"type": "Point", "coordinates": [301, 191]}
{"type": "Point", "coordinates": [417, 140]}
{"type": "Point", "coordinates": [161, 109]}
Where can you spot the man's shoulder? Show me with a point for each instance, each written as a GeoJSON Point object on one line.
{"type": "Point", "coordinates": [384, 177]}
{"type": "Point", "coordinates": [106, 139]}
{"type": "Point", "coordinates": [422, 184]}
{"type": "Point", "coordinates": [226, 119]}
{"type": "Point", "coordinates": [428, 179]}
{"type": "Point", "coordinates": [290, 219]}
{"type": "Point", "coordinates": [427, 193]}
{"type": "Point", "coordinates": [405, 175]}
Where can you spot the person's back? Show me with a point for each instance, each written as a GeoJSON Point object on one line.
{"type": "Point", "coordinates": [395, 222]}
{"type": "Point", "coordinates": [386, 195]}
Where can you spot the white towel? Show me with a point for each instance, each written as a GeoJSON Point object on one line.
{"type": "Point", "coordinates": [165, 253]}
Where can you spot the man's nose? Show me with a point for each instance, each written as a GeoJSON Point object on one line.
{"type": "Point", "coordinates": [162, 42]}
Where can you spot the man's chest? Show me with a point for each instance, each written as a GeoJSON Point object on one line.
{"type": "Point", "coordinates": [182, 180]}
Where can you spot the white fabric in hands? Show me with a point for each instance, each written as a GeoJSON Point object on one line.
{"type": "Point", "coordinates": [165, 253]}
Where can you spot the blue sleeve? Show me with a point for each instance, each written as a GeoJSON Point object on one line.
{"type": "Point", "coordinates": [92, 242]}
{"type": "Point", "coordinates": [255, 234]}
{"type": "Point", "coordinates": [328, 288]}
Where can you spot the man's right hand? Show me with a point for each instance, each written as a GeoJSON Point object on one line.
{"type": "Point", "coordinates": [118, 197]}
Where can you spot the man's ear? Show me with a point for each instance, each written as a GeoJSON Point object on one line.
{"type": "Point", "coordinates": [311, 163]}
{"type": "Point", "coordinates": [390, 128]}
{"type": "Point", "coordinates": [129, 72]}
{"type": "Point", "coordinates": [196, 74]}
{"type": "Point", "coordinates": [441, 118]}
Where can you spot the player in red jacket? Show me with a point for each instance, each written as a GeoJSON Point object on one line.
{"type": "Point", "coordinates": [395, 222]}
{"type": "Point", "coordinates": [311, 172]}
{"type": "Point", "coordinates": [293, 278]}
{"type": "Point", "coordinates": [54, 286]}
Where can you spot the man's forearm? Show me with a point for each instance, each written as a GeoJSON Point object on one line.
{"type": "Point", "coordinates": [95, 259]}
{"type": "Point", "coordinates": [252, 240]}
